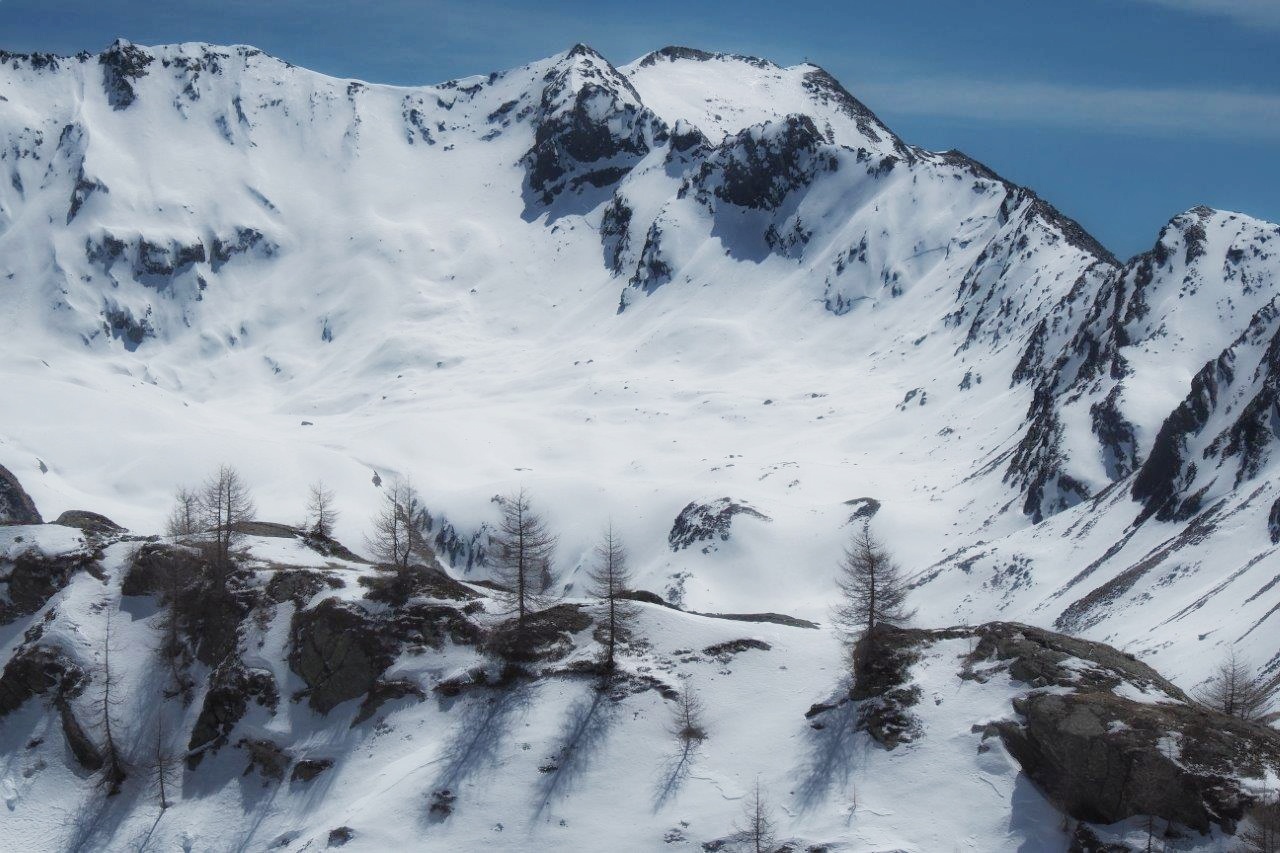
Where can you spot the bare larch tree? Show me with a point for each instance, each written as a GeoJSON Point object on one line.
{"type": "Point", "coordinates": [164, 764]}
{"type": "Point", "coordinates": [872, 587]}
{"type": "Point", "coordinates": [321, 514]}
{"type": "Point", "coordinates": [758, 828]}
{"type": "Point", "coordinates": [1236, 689]}
{"type": "Point", "coordinates": [523, 555]}
{"type": "Point", "coordinates": [397, 534]}
{"type": "Point", "coordinates": [610, 579]}
{"type": "Point", "coordinates": [225, 506]}
{"type": "Point", "coordinates": [185, 518]}
{"type": "Point", "coordinates": [687, 722]}
{"type": "Point", "coordinates": [114, 770]}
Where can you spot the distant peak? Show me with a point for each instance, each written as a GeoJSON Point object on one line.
{"type": "Point", "coordinates": [674, 53]}
{"type": "Point", "coordinates": [584, 50]}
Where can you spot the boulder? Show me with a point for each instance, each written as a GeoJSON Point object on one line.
{"type": "Point", "coordinates": [309, 768]}
{"type": "Point", "coordinates": [1104, 758]}
{"type": "Point", "coordinates": [91, 523]}
{"type": "Point", "coordinates": [268, 758]}
{"type": "Point", "coordinates": [340, 651]}
{"type": "Point", "coordinates": [16, 506]}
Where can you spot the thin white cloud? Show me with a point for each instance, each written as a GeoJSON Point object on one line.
{"type": "Point", "coordinates": [1200, 112]}
{"type": "Point", "coordinates": [1253, 13]}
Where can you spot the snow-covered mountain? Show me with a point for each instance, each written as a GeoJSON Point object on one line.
{"type": "Point", "coordinates": [650, 293]}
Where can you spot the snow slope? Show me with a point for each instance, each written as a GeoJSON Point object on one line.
{"type": "Point", "coordinates": [626, 289]}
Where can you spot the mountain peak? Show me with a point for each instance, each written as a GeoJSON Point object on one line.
{"type": "Point", "coordinates": [677, 53]}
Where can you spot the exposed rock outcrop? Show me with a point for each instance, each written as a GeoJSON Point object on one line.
{"type": "Point", "coordinates": [707, 522]}
{"type": "Point", "coordinates": [231, 687]}
{"type": "Point", "coordinates": [340, 651]}
{"type": "Point", "coordinates": [123, 65]}
{"type": "Point", "coordinates": [32, 577]}
{"type": "Point", "coordinates": [16, 506]}
{"type": "Point", "coordinates": [591, 127]}
{"type": "Point", "coordinates": [40, 670]}
{"type": "Point", "coordinates": [1104, 736]}
{"type": "Point", "coordinates": [546, 635]}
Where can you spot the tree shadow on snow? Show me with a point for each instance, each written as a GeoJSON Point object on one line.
{"type": "Point", "coordinates": [672, 773]}
{"type": "Point", "coordinates": [583, 731]}
{"type": "Point", "coordinates": [486, 720]}
{"type": "Point", "coordinates": [829, 752]}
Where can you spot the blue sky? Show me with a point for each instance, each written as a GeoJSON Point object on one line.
{"type": "Point", "coordinates": [1120, 112]}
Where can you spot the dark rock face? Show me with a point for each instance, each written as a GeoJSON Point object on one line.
{"type": "Point", "coordinates": [1037, 463]}
{"type": "Point", "coordinates": [243, 241]}
{"type": "Point", "coordinates": [1166, 483]}
{"type": "Point", "coordinates": [156, 565]}
{"type": "Point", "coordinates": [33, 578]}
{"type": "Point", "coordinates": [1167, 761]}
{"type": "Point", "coordinates": [706, 522]}
{"type": "Point", "coordinates": [1036, 657]}
{"type": "Point", "coordinates": [339, 651]}
{"type": "Point", "coordinates": [16, 506]}
{"type": "Point", "coordinates": [760, 166]}
{"type": "Point", "coordinates": [1099, 755]}
{"type": "Point", "coordinates": [425, 625]}
{"type": "Point", "coordinates": [231, 687]}
{"type": "Point", "coordinates": [882, 661]}
{"type": "Point", "coordinates": [1159, 483]}
{"type": "Point", "coordinates": [461, 551]}
{"type": "Point", "coordinates": [687, 141]}
{"type": "Point", "coordinates": [122, 66]}
{"type": "Point", "coordinates": [652, 269]}
{"type": "Point", "coordinates": [35, 670]}
{"type": "Point", "coordinates": [591, 127]}
{"type": "Point", "coordinates": [120, 323]}
{"type": "Point", "coordinates": [615, 227]}
{"type": "Point", "coordinates": [82, 191]}
{"type": "Point", "coordinates": [211, 616]}
{"type": "Point", "coordinates": [1273, 522]}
